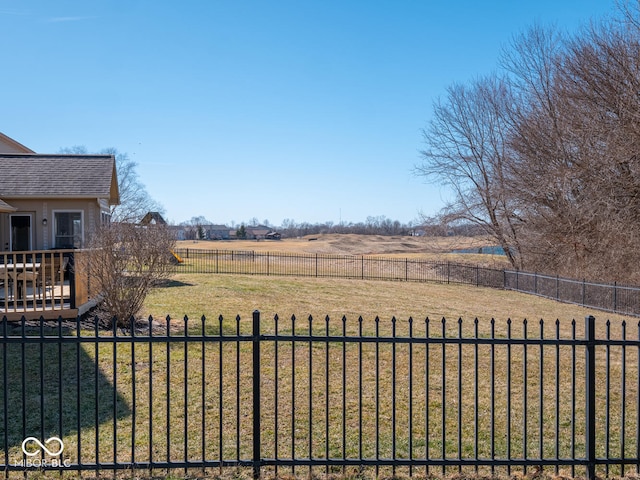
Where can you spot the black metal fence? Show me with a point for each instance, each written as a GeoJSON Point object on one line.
{"type": "Point", "coordinates": [608, 297]}
{"type": "Point", "coordinates": [334, 266]}
{"type": "Point", "coordinates": [292, 396]}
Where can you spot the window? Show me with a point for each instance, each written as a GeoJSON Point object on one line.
{"type": "Point", "coordinates": [68, 229]}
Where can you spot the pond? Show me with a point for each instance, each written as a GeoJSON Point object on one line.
{"type": "Point", "coordinates": [488, 250]}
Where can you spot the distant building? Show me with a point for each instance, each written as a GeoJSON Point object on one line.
{"type": "Point", "coordinates": [216, 232]}
{"type": "Point", "coordinates": [179, 231]}
{"type": "Point", "coordinates": [153, 218]}
{"type": "Point", "coordinates": [258, 232]}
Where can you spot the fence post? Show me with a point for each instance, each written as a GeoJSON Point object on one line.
{"type": "Point", "coordinates": [590, 396]}
{"type": "Point", "coordinates": [257, 454]}
{"type": "Point", "coordinates": [72, 281]}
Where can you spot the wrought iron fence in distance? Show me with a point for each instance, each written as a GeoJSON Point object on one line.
{"type": "Point", "coordinates": [608, 297]}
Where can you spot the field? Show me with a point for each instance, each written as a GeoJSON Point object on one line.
{"type": "Point", "coordinates": [428, 248]}
{"type": "Point", "coordinates": [179, 387]}
{"type": "Point", "coordinates": [347, 244]}
{"type": "Point", "coordinates": [210, 295]}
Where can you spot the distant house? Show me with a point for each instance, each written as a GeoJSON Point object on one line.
{"type": "Point", "coordinates": [153, 218]}
{"type": "Point", "coordinates": [258, 232]}
{"type": "Point", "coordinates": [179, 231]}
{"type": "Point", "coordinates": [192, 232]}
{"type": "Point", "coordinates": [216, 232]}
{"type": "Point", "coordinates": [52, 201]}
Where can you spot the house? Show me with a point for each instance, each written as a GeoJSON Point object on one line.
{"type": "Point", "coordinates": [217, 232]}
{"type": "Point", "coordinates": [52, 200]}
{"type": "Point", "coordinates": [49, 206]}
{"type": "Point", "coordinates": [257, 232]}
{"type": "Point", "coordinates": [179, 231]}
{"type": "Point", "coordinates": [200, 232]}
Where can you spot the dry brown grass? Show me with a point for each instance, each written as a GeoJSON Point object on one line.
{"type": "Point", "coordinates": [347, 244]}
{"type": "Point", "coordinates": [398, 247]}
{"type": "Point", "coordinates": [195, 295]}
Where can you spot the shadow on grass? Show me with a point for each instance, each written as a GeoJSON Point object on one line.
{"type": "Point", "coordinates": [52, 386]}
{"type": "Point", "coordinates": [173, 283]}
{"type": "Point", "coordinates": [211, 327]}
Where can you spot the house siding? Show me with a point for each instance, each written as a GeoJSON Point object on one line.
{"type": "Point", "coordinates": [43, 237]}
{"type": "Point", "coordinates": [8, 145]}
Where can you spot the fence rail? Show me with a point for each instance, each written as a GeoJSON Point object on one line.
{"type": "Point", "coordinates": [608, 297]}
{"type": "Point", "coordinates": [311, 396]}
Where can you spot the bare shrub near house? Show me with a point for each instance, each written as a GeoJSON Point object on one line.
{"type": "Point", "coordinates": [125, 262]}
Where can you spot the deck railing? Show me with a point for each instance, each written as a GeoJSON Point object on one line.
{"type": "Point", "coordinates": [36, 282]}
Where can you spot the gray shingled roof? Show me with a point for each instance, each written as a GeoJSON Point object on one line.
{"type": "Point", "coordinates": [58, 176]}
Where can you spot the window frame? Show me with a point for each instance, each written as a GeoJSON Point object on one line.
{"type": "Point", "coordinates": [54, 227]}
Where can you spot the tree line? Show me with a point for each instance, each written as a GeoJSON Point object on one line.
{"type": "Point", "coordinates": [373, 225]}
{"type": "Point", "coordinates": [544, 154]}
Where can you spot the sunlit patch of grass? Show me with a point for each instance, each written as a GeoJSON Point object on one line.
{"type": "Point", "coordinates": [231, 295]}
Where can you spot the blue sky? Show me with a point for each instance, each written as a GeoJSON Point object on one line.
{"type": "Point", "coordinates": [233, 109]}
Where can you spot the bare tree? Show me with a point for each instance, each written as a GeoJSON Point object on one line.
{"type": "Point", "coordinates": [547, 159]}
{"type": "Point", "coordinates": [542, 179]}
{"type": "Point", "coordinates": [194, 228]}
{"type": "Point", "coordinates": [575, 170]}
{"type": "Point", "coordinates": [126, 261]}
{"type": "Point", "coordinates": [601, 84]}
{"type": "Point", "coordinates": [135, 201]}
{"type": "Point", "coordinates": [466, 151]}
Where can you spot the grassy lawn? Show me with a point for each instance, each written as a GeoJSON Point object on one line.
{"type": "Point", "coordinates": [194, 401]}
{"type": "Point", "coordinates": [231, 295]}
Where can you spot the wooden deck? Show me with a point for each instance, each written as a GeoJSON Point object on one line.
{"type": "Point", "coordinates": [43, 283]}
{"type": "Point", "coordinates": [49, 303]}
